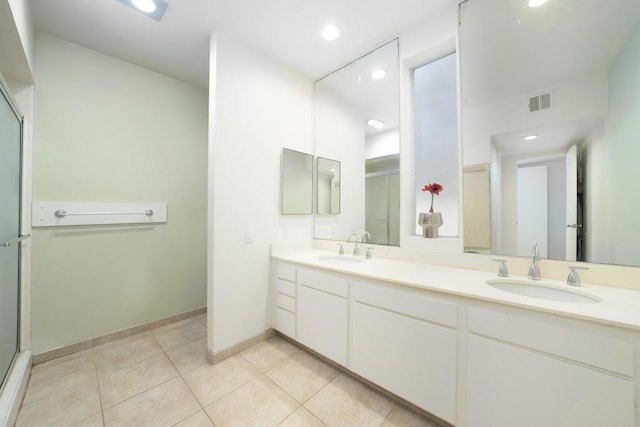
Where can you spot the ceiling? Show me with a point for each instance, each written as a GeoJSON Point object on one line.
{"type": "Point", "coordinates": [286, 30]}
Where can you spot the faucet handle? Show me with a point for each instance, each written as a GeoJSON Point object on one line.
{"type": "Point", "coordinates": [502, 269]}
{"type": "Point", "coordinates": [573, 279]}
{"type": "Point", "coordinates": [369, 255]}
{"type": "Point", "coordinates": [341, 250]}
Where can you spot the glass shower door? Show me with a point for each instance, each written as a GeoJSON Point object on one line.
{"type": "Point", "coordinates": [10, 162]}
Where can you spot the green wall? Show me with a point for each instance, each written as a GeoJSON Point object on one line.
{"type": "Point", "coordinates": [109, 131]}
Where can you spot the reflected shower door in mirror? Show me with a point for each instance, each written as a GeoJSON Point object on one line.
{"type": "Point", "coordinates": [357, 122]}
{"type": "Point", "coordinates": [552, 94]}
{"type": "Point", "coordinates": [328, 186]}
{"type": "Point", "coordinates": [296, 183]}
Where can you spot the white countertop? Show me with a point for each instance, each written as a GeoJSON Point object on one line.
{"type": "Point", "coordinates": [619, 307]}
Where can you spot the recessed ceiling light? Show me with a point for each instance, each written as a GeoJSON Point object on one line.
{"type": "Point", "coordinates": [375, 123]}
{"type": "Point", "coordinates": [530, 137]}
{"type": "Point", "coordinates": [536, 3]}
{"type": "Point", "coordinates": [147, 6]}
{"type": "Point", "coordinates": [379, 73]}
{"type": "Point", "coordinates": [331, 32]}
{"type": "Point", "coordinates": [152, 8]}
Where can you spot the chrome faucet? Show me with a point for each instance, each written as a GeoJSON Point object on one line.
{"type": "Point", "coordinates": [356, 249]}
{"type": "Point", "coordinates": [573, 279]}
{"type": "Point", "coordinates": [534, 269]}
{"type": "Point", "coordinates": [502, 269]}
{"type": "Point", "coordinates": [364, 237]}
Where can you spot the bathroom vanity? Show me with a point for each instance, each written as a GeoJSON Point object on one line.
{"type": "Point", "coordinates": [467, 352]}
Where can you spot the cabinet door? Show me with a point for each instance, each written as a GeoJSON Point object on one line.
{"type": "Point", "coordinates": [322, 323]}
{"type": "Point", "coordinates": [412, 358]}
{"type": "Point", "coordinates": [508, 386]}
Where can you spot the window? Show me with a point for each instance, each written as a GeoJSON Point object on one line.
{"type": "Point", "coordinates": [435, 106]}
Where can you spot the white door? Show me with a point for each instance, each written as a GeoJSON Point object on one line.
{"type": "Point", "coordinates": [572, 204]}
{"type": "Point", "coordinates": [532, 216]}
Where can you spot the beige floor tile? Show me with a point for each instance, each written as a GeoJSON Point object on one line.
{"type": "Point", "coordinates": [257, 403]}
{"type": "Point", "coordinates": [189, 356]}
{"type": "Point", "coordinates": [346, 402]}
{"type": "Point", "coordinates": [209, 383]}
{"type": "Point", "coordinates": [60, 378]}
{"type": "Point", "coordinates": [302, 418]}
{"type": "Point", "coordinates": [302, 376]}
{"type": "Point", "coordinates": [402, 417]}
{"type": "Point", "coordinates": [267, 354]}
{"type": "Point", "coordinates": [92, 421]}
{"type": "Point", "coordinates": [64, 408]}
{"type": "Point", "coordinates": [121, 384]}
{"type": "Point", "coordinates": [126, 351]}
{"type": "Point", "coordinates": [202, 319]}
{"type": "Point", "coordinates": [173, 325]}
{"type": "Point", "coordinates": [181, 335]}
{"type": "Point", "coordinates": [86, 355]}
{"type": "Point", "coordinates": [201, 419]}
{"type": "Point", "coordinates": [164, 405]}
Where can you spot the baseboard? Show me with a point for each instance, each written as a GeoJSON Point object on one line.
{"type": "Point", "coordinates": [221, 355]}
{"type": "Point", "coordinates": [84, 345]}
{"type": "Point", "coordinates": [14, 389]}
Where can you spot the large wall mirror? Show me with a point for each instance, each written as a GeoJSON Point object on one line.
{"type": "Point", "coordinates": [551, 118]}
{"type": "Point", "coordinates": [357, 123]}
{"type": "Point", "coordinates": [327, 186]}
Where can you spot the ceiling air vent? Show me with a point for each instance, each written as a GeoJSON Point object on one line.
{"type": "Point", "coordinates": [540, 102]}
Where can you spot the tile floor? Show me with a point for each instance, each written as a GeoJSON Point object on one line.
{"type": "Point", "coordinates": [162, 378]}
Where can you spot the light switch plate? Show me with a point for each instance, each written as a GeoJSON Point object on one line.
{"type": "Point", "coordinates": [248, 235]}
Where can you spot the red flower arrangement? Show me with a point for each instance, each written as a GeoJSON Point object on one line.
{"type": "Point", "coordinates": [434, 189]}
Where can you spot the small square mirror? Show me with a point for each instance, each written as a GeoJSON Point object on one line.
{"type": "Point", "coordinates": [296, 183]}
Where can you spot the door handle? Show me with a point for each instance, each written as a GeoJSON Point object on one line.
{"type": "Point", "coordinates": [574, 225]}
{"type": "Point", "coordinates": [16, 241]}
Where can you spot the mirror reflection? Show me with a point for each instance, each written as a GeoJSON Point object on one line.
{"type": "Point", "coordinates": [328, 186]}
{"type": "Point", "coordinates": [357, 123]}
{"type": "Point", "coordinates": [296, 183]}
{"type": "Point", "coordinates": [550, 104]}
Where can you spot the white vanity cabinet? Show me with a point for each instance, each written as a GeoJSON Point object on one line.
{"type": "Point", "coordinates": [285, 299]}
{"type": "Point", "coordinates": [322, 314]}
{"type": "Point", "coordinates": [405, 340]}
{"type": "Point", "coordinates": [531, 372]}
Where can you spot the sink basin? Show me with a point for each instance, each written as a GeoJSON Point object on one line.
{"type": "Point", "coordinates": [543, 291]}
{"type": "Point", "coordinates": [346, 259]}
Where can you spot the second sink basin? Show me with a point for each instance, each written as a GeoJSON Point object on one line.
{"type": "Point", "coordinates": [542, 291]}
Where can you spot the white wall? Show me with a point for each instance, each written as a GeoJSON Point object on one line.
{"type": "Point", "coordinates": [257, 107]}
{"type": "Point", "coordinates": [106, 130]}
{"type": "Point", "coordinates": [620, 156]}
{"type": "Point", "coordinates": [382, 144]}
{"type": "Point", "coordinates": [22, 18]}
{"type": "Point", "coordinates": [595, 221]}
{"type": "Point", "coordinates": [340, 135]}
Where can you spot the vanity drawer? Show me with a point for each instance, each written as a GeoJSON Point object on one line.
{"type": "Point", "coordinates": [409, 302]}
{"type": "Point", "coordinates": [287, 288]}
{"type": "Point", "coordinates": [285, 322]}
{"type": "Point", "coordinates": [286, 302]}
{"type": "Point", "coordinates": [323, 282]}
{"type": "Point", "coordinates": [581, 346]}
{"type": "Point", "coordinates": [286, 272]}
